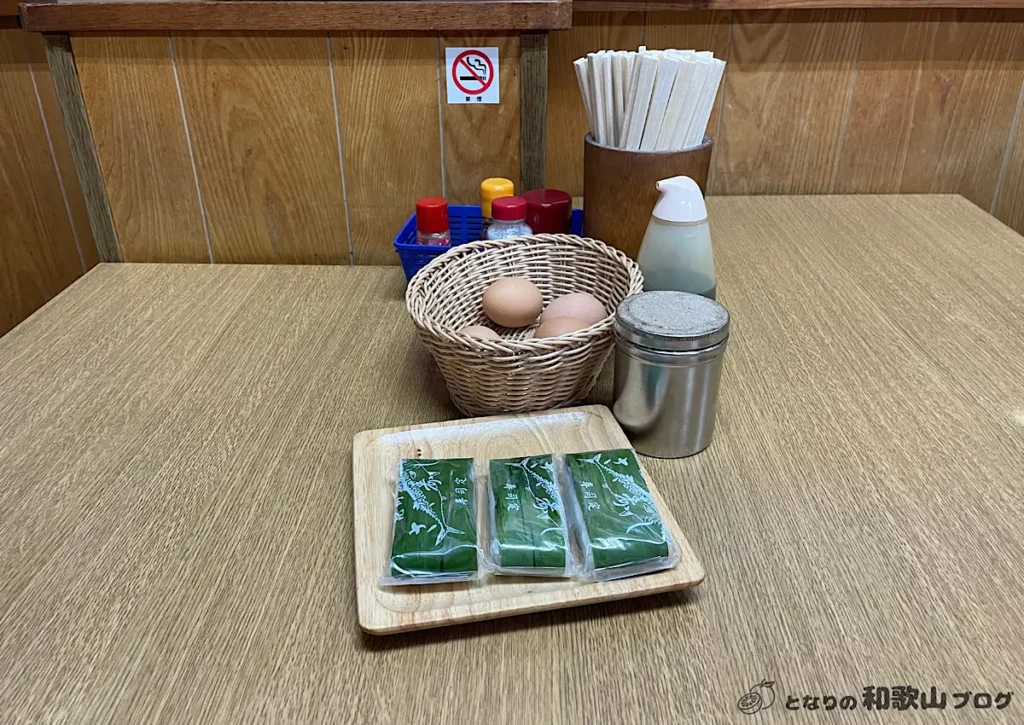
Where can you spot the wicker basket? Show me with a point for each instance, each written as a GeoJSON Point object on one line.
{"type": "Point", "coordinates": [518, 373]}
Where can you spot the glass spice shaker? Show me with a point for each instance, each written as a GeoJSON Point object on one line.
{"type": "Point", "coordinates": [509, 214]}
{"type": "Point", "coordinates": [432, 222]}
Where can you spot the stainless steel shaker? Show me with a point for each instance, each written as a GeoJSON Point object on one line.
{"type": "Point", "coordinates": [669, 352]}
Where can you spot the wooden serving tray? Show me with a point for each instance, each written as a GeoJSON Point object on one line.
{"type": "Point", "coordinates": [375, 455]}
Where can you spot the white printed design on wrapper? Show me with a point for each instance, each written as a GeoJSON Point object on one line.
{"type": "Point", "coordinates": [547, 499]}
{"type": "Point", "coordinates": [634, 494]}
{"type": "Point", "coordinates": [417, 492]}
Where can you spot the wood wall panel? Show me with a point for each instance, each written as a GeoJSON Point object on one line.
{"type": "Point", "coordinates": [38, 254]}
{"type": "Point", "coordinates": [61, 150]}
{"type": "Point", "coordinates": [261, 116]}
{"type": "Point", "coordinates": [482, 140]}
{"type": "Point", "coordinates": [786, 93]}
{"type": "Point", "coordinates": [933, 102]}
{"type": "Point", "coordinates": [390, 128]}
{"type": "Point", "coordinates": [131, 98]}
{"type": "Point", "coordinates": [567, 120]}
{"type": "Point", "coordinates": [813, 102]}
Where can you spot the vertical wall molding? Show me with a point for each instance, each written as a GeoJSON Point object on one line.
{"type": "Point", "coordinates": [83, 149]}
{"type": "Point", "coordinates": [533, 105]}
{"type": "Point", "coordinates": [341, 152]}
{"type": "Point", "coordinates": [53, 158]}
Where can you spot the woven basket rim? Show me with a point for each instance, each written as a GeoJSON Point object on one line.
{"type": "Point", "coordinates": [514, 348]}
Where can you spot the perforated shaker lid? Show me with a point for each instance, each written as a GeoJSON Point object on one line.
{"type": "Point", "coordinates": [671, 321]}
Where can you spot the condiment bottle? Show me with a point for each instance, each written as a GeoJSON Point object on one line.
{"type": "Point", "coordinates": [676, 251]}
{"type": "Point", "coordinates": [509, 218]}
{"type": "Point", "coordinates": [548, 211]}
{"type": "Point", "coordinates": [491, 189]}
{"type": "Point", "coordinates": [432, 221]}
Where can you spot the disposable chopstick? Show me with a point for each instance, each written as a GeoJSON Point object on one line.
{"type": "Point", "coordinates": [631, 86]}
{"type": "Point", "coordinates": [608, 91]}
{"type": "Point", "coordinates": [641, 102]}
{"type": "Point", "coordinates": [701, 71]}
{"type": "Point", "coordinates": [594, 75]}
{"type": "Point", "coordinates": [618, 94]}
{"type": "Point", "coordinates": [680, 92]}
{"type": "Point", "coordinates": [583, 79]}
{"type": "Point", "coordinates": [663, 85]}
{"type": "Point", "coordinates": [705, 104]}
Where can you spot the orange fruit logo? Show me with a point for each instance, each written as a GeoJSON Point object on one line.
{"type": "Point", "coordinates": [759, 697]}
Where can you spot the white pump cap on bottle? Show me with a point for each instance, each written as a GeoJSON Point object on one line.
{"type": "Point", "coordinates": [681, 201]}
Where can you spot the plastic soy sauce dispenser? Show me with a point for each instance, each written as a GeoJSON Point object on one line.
{"type": "Point", "coordinates": [676, 251]}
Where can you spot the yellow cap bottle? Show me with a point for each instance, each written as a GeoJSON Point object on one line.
{"type": "Point", "coordinates": [491, 189]}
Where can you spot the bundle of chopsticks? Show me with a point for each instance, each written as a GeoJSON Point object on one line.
{"type": "Point", "coordinates": [650, 100]}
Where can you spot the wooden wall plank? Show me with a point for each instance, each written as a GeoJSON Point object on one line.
{"type": "Point", "coordinates": [1009, 204]}
{"type": "Point", "coordinates": [38, 256]}
{"type": "Point", "coordinates": [933, 102]}
{"type": "Point", "coordinates": [482, 140]}
{"type": "Point", "coordinates": [131, 98]}
{"type": "Point", "coordinates": [390, 128]}
{"type": "Point", "coordinates": [261, 117]}
{"type": "Point", "coordinates": [786, 92]}
{"type": "Point", "coordinates": [61, 149]}
{"type": "Point", "coordinates": [567, 121]}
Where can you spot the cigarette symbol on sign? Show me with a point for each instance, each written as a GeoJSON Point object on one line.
{"type": "Point", "coordinates": [472, 72]}
{"type": "Point", "coordinates": [477, 70]}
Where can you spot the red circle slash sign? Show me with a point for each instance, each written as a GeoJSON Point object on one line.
{"type": "Point", "coordinates": [467, 74]}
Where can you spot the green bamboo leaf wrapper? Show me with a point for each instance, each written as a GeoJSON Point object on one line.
{"type": "Point", "coordinates": [435, 520]}
{"type": "Point", "coordinates": [620, 520]}
{"type": "Point", "coordinates": [529, 517]}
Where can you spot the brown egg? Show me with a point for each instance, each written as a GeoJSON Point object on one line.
{"type": "Point", "coordinates": [555, 326]}
{"type": "Point", "coordinates": [480, 332]}
{"type": "Point", "coordinates": [512, 302]}
{"type": "Point", "coordinates": [580, 305]}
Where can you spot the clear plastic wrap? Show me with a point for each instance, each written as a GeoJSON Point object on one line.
{"type": "Point", "coordinates": [434, 530]}
{"type": "Point", "coordinates": [616, 522]}
{"type": "Point", "coordinates": [529, 533]}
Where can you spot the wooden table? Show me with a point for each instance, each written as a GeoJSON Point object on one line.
{"type": "Point", "coordinates": [175, 488]}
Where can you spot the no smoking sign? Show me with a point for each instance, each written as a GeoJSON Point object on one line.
{"type": "Point", "coordinates": [472, 75]}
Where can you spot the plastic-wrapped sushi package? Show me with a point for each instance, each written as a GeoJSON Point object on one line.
{"type": "Point", "coordinates": [616, 521]}
{"type": "Point", "coordinates": [538, 506]}
{"type": "Point", "coordinates": [434, 534]}
{"type": "Point", "coordinates": [529, 534]}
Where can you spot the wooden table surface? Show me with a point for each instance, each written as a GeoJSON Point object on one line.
{"type": "Point", "coordinates": [176, 518]}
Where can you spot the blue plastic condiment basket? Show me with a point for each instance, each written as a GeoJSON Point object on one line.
{"type": "Point", "coordinates": [465, 222]}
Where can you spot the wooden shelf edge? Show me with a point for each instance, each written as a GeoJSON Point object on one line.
{"type": "Point", "coordinates": [340, 15]}
{"type": "Point", "coordinates": [600, 6]}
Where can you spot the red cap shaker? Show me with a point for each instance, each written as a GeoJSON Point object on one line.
{"type": "Point", "coordinates": [508, 209]}
{"type": "Point", "coordinates": [432, 215]}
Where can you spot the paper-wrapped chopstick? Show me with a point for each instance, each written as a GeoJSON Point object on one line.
{"type": "Point", "coordinates": [649, 100]}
